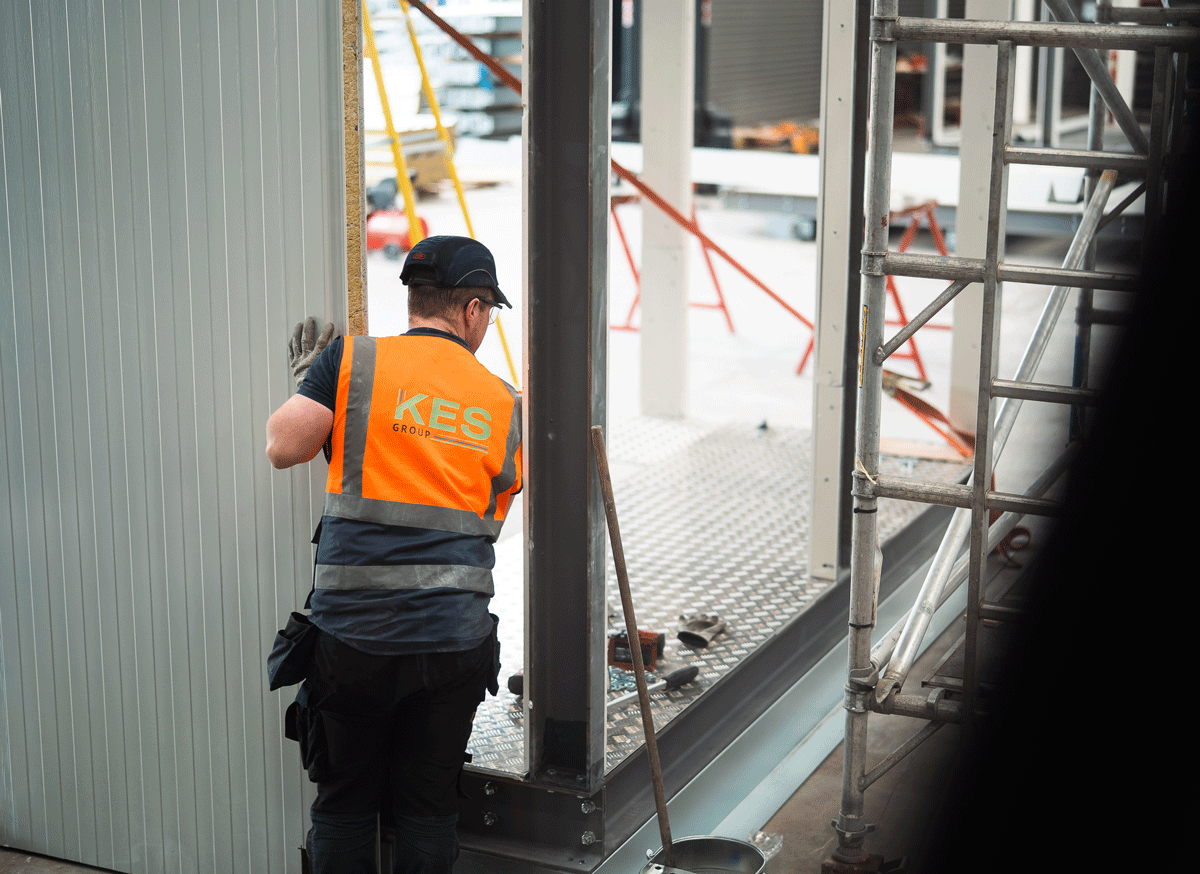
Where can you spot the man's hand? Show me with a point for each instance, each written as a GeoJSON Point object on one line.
{"type": "Point", "coordinates": [306, 345]}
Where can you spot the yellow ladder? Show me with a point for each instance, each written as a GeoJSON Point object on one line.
{"type": "Point", "coordinates": [415, 233]}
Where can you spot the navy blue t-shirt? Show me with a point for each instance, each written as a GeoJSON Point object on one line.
{"type": "Point", "coordinates": [393, 622]}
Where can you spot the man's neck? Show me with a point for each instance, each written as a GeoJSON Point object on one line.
{"type": "Point", "coordinates": [438, 324]}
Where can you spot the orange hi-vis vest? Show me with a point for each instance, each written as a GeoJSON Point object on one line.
{"type": "Point", "coordinates": [426, 460]}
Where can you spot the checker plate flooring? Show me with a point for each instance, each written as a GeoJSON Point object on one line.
{"type": "Point", "coordinates": [714, 519]}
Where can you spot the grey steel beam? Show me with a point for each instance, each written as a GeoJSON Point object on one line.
{"type": "Point", "coordinates": [989, 344]}
{"type": "Point", "coordinates": [998, 612]}
{"type": "Point", "coordinates": [1116, 318]}
{"type": "Point", "coordinates": [953, 495]}
{"type": "Point", "coordinates": [932, 266]}
{"type": "Point", "coordinates": [1081, 363]}
{"type": "Point", "coordinates": [926, 491]}
{"type": "Point", "coordinates": [1010, 503]}
{"type": "Point", "coordinates": [893, 758]}
{"type": "Point", "coordinates": [566, 91]}
{"type": "Point", "coordinates": [1122, 206]}
{"type": "Point", "coordinates": [933, 707]}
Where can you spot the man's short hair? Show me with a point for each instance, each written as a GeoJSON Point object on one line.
{"type": "Point", "coordinates": [434, 302]}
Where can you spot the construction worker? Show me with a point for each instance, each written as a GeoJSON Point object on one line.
{"type": "Point", "coordinates": [424, 457]}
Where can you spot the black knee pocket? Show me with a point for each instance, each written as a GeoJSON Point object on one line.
{"type": "Point", "coordinates": [305, 726]}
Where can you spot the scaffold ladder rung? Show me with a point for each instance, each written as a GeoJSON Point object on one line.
{"type": "Point", "coordinates": [1036, 391]}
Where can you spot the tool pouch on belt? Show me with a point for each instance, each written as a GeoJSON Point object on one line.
{"type": "Point", "coordinates": [303, 724]}
{"type": "Point", "coordinates": [493, 685]}
{"type": "Point", "coordinates": [292, 652]}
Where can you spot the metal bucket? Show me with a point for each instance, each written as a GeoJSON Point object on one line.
{"type": "Point", "coordinates": [711, 855]}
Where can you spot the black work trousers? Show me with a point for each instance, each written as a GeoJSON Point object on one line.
{"type": "Point", "coordinates": [387, 732]}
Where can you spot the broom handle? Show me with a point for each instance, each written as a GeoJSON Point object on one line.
{"type": "Point", "coordinates": [639, 671]}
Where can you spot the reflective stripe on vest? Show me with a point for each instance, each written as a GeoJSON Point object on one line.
{"type": "Point", "coordinates": [428, 439]}
{"type": "Point", "coordinates": [404, 576]}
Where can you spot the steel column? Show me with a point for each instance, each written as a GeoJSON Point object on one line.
{"type": "Point", "coordinates": [668, 97]}
{"type": "Point", "coordinates": [839, 246]}
{"type": "Point", "coordinates": [566, 130]}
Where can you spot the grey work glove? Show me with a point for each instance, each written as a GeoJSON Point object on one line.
{"type": "Point", "coordinates": [306, 345]}
{"type": "Point", "coordinates": [700, 629]}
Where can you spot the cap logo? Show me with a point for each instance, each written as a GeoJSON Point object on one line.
{"type": "Point", "coordinates": [419, 256]}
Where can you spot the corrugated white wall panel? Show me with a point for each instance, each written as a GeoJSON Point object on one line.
{"type": "Point", "coordinates": [170, 180]}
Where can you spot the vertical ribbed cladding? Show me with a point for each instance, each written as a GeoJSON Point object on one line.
{"type": "Point", "coordinates": [171, 187]}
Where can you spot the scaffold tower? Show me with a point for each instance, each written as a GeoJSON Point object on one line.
{"type": "Point", "coordinates": [878, 664]}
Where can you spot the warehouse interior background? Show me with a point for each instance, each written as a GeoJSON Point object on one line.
{"type": "Point", "coordinates": [182, 182]}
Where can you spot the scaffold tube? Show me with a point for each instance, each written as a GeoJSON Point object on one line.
{"type": "Point", "coordinates": [997, 531]}
{"type": "Point", "coordinates": [930, 596]}
{"type": "Point", "coordinates": [851, 826]}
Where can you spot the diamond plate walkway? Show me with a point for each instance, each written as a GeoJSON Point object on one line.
{"type": "Point", "coordinates": [714, 519]}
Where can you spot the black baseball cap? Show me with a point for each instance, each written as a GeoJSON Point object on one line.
{"type": "Point", "coordinates": [451, 262]}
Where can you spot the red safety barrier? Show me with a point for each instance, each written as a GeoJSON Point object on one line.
{"type": "Point", "coordinates": [963, 441]}
{"type": "Point", "coordinates": [637, 281]}
{"type": "Point", "coordinates": [515, 84]}
{"type": "Point", "coordinates": [914, 214]}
